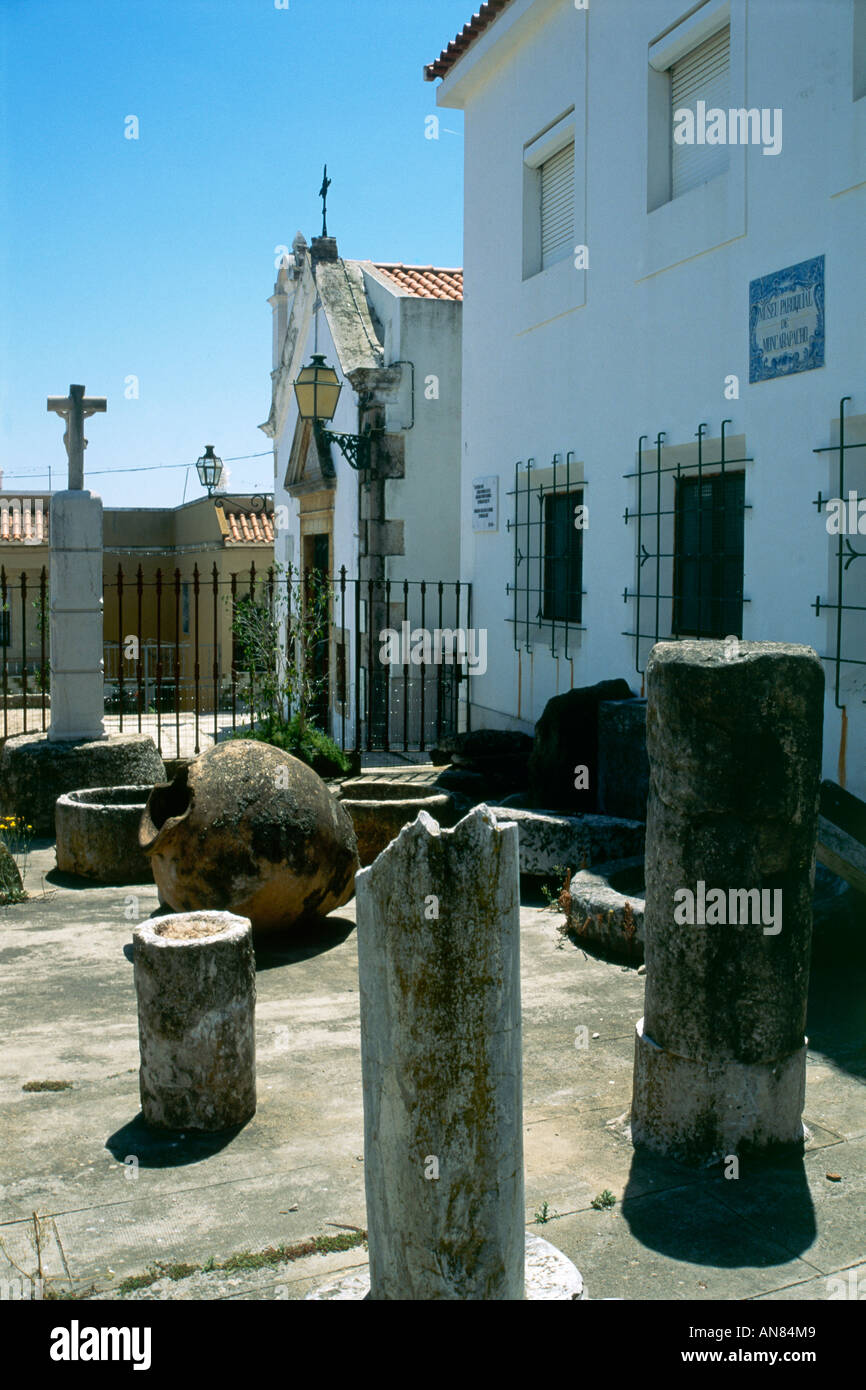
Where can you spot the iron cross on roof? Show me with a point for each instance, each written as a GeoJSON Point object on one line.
{"type": "Point", "coordinates": [323, 194]}
{"type": "Point", "coordinates": [75, 409]}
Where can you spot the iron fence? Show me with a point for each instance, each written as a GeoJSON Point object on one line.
{"type": "Point", "coordinates": [175, 669]}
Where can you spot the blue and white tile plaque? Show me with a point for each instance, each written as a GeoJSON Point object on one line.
{"type": "Point", "coordinates": [786, 321]}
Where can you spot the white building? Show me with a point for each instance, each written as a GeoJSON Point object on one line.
{"type": "Point", "coordinates": [392, 333]}
{"type": "Point", "coordinates": [636, 274]}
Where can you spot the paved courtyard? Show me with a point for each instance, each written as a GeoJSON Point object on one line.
{"type": "Point", "coordinates": [96, 1203]}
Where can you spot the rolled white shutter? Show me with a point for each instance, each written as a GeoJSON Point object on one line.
{"type": "Point", "coordinates": [557, 206]}
{"type": "Point", "coordinates": [702, 75]}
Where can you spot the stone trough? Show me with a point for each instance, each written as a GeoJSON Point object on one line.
{"type": "Point", "coordinates": [550, 843]}
{"type": "Point", "coordinates": [97, 834]}
{"type": "Point", "coordinates": [379, 810]}
{"type": "Point", "coordinates": [607, 908]}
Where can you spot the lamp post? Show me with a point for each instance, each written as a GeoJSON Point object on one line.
{"type": "Point", "coordinates": [317, 391]}
{"type": "Point", "coordinates": [209, 469]}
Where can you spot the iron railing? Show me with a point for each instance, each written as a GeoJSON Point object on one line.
{"type": "Point", "coordinates": [174, 668]}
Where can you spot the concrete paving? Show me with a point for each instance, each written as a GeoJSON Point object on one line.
{"type": "Point", "coordinates": [92, 1199]}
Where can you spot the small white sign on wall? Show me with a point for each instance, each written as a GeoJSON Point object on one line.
{"type": "Point", "coordinates": [485, 503]}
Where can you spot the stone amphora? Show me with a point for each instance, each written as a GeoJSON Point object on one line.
{"type": "Point", "coordinates": [248, 829]}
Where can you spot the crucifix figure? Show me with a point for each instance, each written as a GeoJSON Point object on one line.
{"type": "Point", "coordinates": [323, 194]}
{"type": "Point", "coordinates": [75, 409]}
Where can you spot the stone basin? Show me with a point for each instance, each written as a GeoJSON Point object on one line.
{"type": "Point", "coordinates": [607, 907]}
{"type": "Point", "coordinates": [97, 834]}
{"type": "Point", "coordinates": [608, 902]}
{"type": "Point", "coordinates": [379, 809]}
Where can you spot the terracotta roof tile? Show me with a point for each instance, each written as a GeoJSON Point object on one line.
{"type": "Point", "coordinates": [424, 281]}
{"type": "Point", "coordinates": [249, 528]}
{"type": "Point", "coordinates": [489, 11]}
{"type": "Point", "coordinates": [24, 520]}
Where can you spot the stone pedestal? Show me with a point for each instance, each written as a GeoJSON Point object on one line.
{"type": "Point", "coordinates": [735, 757]}
{"type": "Point", "coordinates": [623, 769]}
{"type": "Point", "coordinates": [35, 771]}
{"type": "Point", "coordinates": [195, 978]}
{"type": "Point", "coordinates": [550, 1277]}
{"type": "Point", "coordinates": [75, 589]}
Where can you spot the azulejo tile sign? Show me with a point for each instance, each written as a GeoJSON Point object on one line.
{"type": "Point", "coordinates": [786, 321]}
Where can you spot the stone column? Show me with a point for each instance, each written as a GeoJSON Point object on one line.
{"type": "Point", "coordinates": [195, 978]}
{"type": "Point", "coordinates": [734, 741]}
{"type": "Point", "coordinates": [75, 633]}
{"type": "Point", "coordinates": [439, 965]}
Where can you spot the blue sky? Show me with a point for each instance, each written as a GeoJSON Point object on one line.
{"type": "Point", "coordinates": [155, 257]}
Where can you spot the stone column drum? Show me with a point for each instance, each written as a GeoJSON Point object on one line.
{"type": "Point", "coordinates": [439, 966]}
{"type": "Point", "coordinates": [75, 584]}
{"type": "Point", "coordinates": [734, 739]}
{"type": "Point", "coordinates": [195, 979]}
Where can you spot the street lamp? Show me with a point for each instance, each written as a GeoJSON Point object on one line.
{"type": "Point", "coordinates": [317, 391]}
{"type": "Point", "coordinates": [209, 469]}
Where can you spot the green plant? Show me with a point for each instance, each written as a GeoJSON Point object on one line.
{"type": "Point", "coordinates": [283, 677]}
{"type": "Point", "coordinates": [303, 741]}
{"type": "Point", "coordinates": [15, 836]}
{"type": "Point", "coordinates": [543, 1214]}
{"type": "Point", "coordinates": [604, 1201]}
{"type": "Point", "coordinates": [40, 675]}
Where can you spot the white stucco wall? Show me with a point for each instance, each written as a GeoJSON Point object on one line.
{"type": "Point", "coordinates": [428, 496]}
{"type": "Point", "coordinates": [644, 339]}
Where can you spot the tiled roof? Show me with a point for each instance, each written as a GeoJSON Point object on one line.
{"type": "Point", "coordinates": [424, 281]}
{"type": "Point", "coordinates": [24, 519]}
{"type": "Point", "coordinates": [248, 528]}
{"type": "Point", "coordinates": [470, 32]}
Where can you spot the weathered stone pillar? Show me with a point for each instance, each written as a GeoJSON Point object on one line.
{"type": "Point", "coordinates": [75, 627]}
{"type": "Point", "coordinates": [734, 740]}
{"type": "Point", "coordinates": [439, 965]}
{"type": "Point", "coordinates": [195, 978]}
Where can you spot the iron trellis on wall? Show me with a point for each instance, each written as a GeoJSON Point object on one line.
{"type": "Point", "coordinates": [555, 600]}
{"type": "Point", "coordinates": [846, 555]}
{"type": "Point", "coordinates": [667, 536]}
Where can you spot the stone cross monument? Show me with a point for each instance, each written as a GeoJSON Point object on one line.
{"type": "Point", "coordinates": [75, 586]}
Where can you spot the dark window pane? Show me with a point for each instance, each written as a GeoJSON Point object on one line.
{"type": "Point", "coordinates": [708, 565]}
{"type": "Point", "coordinates": [563, 559]}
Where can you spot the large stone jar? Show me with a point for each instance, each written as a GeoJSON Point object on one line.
{"type": "Point", "coordinates": [247, 828]}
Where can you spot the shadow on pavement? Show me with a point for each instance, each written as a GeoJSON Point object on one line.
{"type": "Point", "coordinates": [154, 1149]}
{"type": "Point", "coordinates": [763, 1217]}
{"type": "Point", "coordinates": [302, 942]}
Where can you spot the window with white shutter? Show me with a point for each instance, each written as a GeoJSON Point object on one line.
{"type": "Point", "coordinates": [702, 75]}
{"type": "Point", "coordinates": [557, 206]}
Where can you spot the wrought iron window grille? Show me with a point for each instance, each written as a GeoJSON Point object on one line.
{"type": "Point", "coordinates": [667, 564]}
{"type": "Point", "coordinates": [547, 589]}
{"type": "Point", "coordinates": [846, 555]}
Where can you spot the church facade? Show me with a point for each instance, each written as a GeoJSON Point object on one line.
{"type": "Point", "coordinates": [386, 534]}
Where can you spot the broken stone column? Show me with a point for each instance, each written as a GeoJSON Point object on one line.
{"type": "Point", "coordinates": [195, 978]}
{"type": "Point", "coordinates": [734, 740]}
{"type": "Point", "coordinates": [439, 966]}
